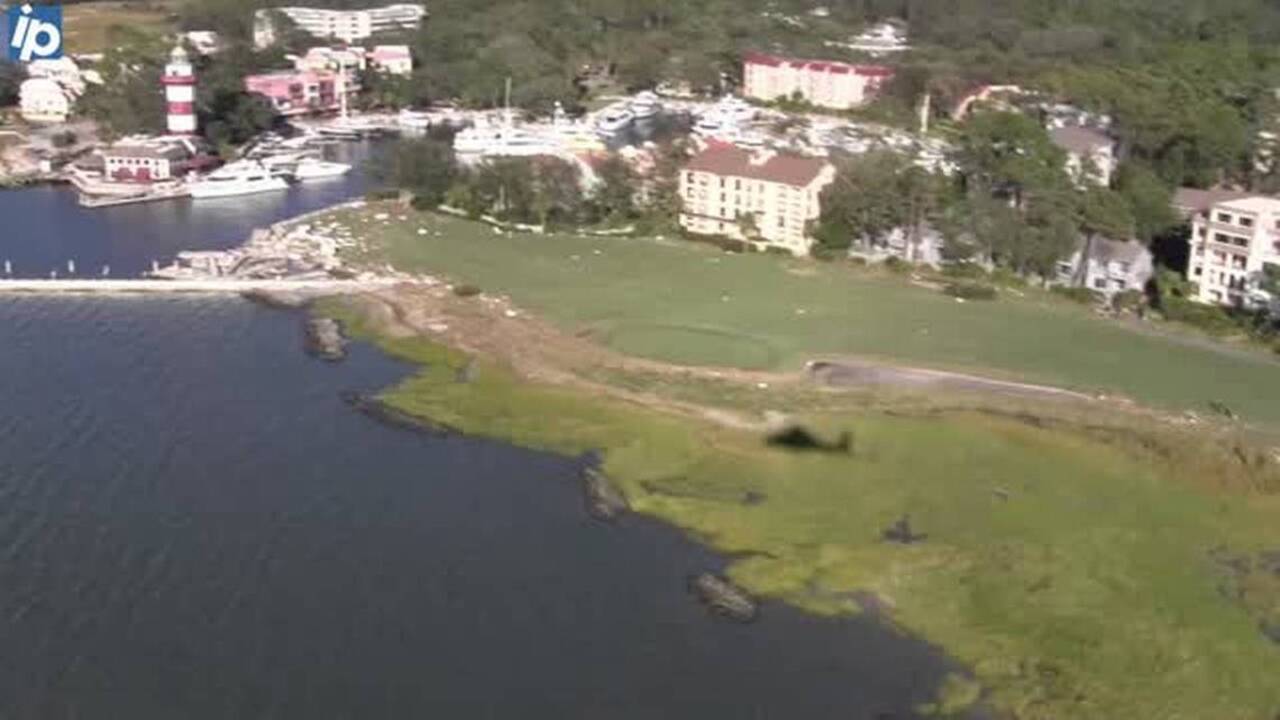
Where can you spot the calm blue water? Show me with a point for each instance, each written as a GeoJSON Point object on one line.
{"type": "Point", "coordinates": [193, 525]}
{"type": "Point", "coordinates": [42, 228]}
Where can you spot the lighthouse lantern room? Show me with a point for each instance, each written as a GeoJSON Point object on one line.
{"type": "Point", "coordinates": [180, 93]}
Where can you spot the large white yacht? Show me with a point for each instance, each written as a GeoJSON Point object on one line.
{"type": "Point", "coordinates": [644, 106]}
{"type": "Point", "coordinates": [504, 139]}
{"type": "Point", "coordinates": [238, 178]}
{"type": "Point", "coordinates": [612, 121]}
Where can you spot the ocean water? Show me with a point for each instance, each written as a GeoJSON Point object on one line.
{"type": "Point", "coordinates": [193, 525]}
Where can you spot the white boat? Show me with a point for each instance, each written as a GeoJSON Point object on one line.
{"type": "Point", "coordinates": [613, 121]}
{"type": "Point", "coordinates": [238, 178]}
{"type": "Point", "coordinates": [502, 140]}
{"type": "Point", "coordinates": [644, 106]}
{"type": "Point", "coordinates": [414, 120]}
{"type": "Point", "coordinates": [314, 169]}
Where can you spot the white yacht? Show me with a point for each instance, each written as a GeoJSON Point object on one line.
{"type": "Point", "coordinates": [309, 168]}
{"type": "Point", "coordinates": [613, 121]}
{"type": "Point", "coordinates": [414, 119]}
{"type": "Point", "coordinates": [644, 106]}
{"type": "Point", "coordinates": [238, 178]}
{"type": "Point", "coordinates": [502, 140]}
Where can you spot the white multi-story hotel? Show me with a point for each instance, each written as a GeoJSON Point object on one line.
{"type": "Point", "coordinates": [345, 25]}
{"type": "Point", "coordinates": [762, 197]}
{"type": "Point", "coordinates": [1235, 243]}
{"type": "Point", "coordinates": [834, 85]}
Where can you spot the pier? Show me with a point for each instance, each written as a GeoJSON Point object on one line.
{"type": "Point", "coordinates": [145, 286]}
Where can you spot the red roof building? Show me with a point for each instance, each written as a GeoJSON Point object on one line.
{"type": "Point", "coordinates": [765, 198]}
{"type": "Point", "coordinates": [824, 83]}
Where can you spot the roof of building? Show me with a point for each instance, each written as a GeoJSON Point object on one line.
{"type": "Point", "coordinates": [785, 168]}
{"type": "Point", "coordinates": [158, 152]}
{"type": "Point", "coordinates": [1080, 139]}
{"type": "Point", "coordinates": [390, 52]}
{"type": "Point", "coordinates": [831, 66]}
{"type": "Point", "coordinates": [1103, 250]}
{"type": "Point", "coordinates": [1252, 204]}
{"type": "Point", "coordinates": [1194, 201]}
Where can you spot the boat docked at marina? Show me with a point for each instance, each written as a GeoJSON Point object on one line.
{"type": "Point", "coordinates": [645, 106]}
{"type": "Point", "coordinates": [245, 177]}
{"type": "Point", "coordinates": [310, 168]}
{"type": "Point", "coordinates": [612, 122]}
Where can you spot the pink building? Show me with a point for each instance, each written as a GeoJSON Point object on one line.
{"type": "Point", "coordinates": [297, 92]}
{"type": "Point", "coordinates": [835, 85]}
{"type": "Point", "coordinates": [392, 59]}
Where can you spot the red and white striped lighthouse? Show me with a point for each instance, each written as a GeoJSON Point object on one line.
{"type": "Point", "coordinates": [180, 93]}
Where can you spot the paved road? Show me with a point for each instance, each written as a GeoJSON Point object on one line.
{"type": "Point", "coordinates": [858, 373]}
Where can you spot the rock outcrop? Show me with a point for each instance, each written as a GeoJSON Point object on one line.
{"type": "Point", "coordinates": [390, 416]}
{"type": "Point", "coordinates": [324, 339]}
{"type": "Point", "coordinates": [723, 597]}
{"type": "Point", "coordinates": [604, 500]}
{"type": "Point", "coordinates": [278, 299]}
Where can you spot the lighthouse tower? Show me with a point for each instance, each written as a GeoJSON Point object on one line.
{"type": "Point", "coordinates": [180, 93]}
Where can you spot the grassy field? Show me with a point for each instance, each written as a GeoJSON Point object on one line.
{"type": "Point", "coordinates": [692, 304]}
{"type": "Point", "coordinates": [86, 26]}
{"type": "Point", "coordinates": [1080, 575]}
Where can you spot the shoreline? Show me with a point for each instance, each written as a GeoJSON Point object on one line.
{"type": "Point", "coordinates": [667, 435]}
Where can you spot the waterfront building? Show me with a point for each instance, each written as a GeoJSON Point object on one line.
{"type": "Point", "coordinates": [391, 59]}
{"type": "Point", "coordinates": [883, 38]}
{"type": "Point", "coordinates": [827, 84]}
{"type": "Point", "coordinates": [762, 197]}
{"type": "Point", "coordinates": [1107, 266]}
{"type": "Point", "coordinates": [49, 93]}
{"type": "Point", "coordinates": [331, 59]}
{"type": "Point", "coordinates": [1091, 154]}
{"type": "Point", "coordinates": [295, 92]}
{"type": "Point", "coordinates": [346, 25]}
{"type": "Point", "coordinates": [179, 81]}
{"type": "Point", "coordinates": [1235, 252]}
{"type": "Point", "coordinates": [43, 100]}
{"type": "Point", "coordinates": [204, 42]}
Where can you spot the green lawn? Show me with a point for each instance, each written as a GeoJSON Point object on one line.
{"type": "Point", "coordinates": [692, 304]}
{"type": "Point", "coordinates": [1074, 577]}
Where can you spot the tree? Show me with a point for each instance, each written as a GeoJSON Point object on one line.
{"type": "Point", "coordinates": [1100, 213]}
{"type": "Point", "coordinates": [556, 190]}
{"type": "Point", "coordinates": [424, 166]}
{"type": "Point", "coordinates": [614, 196]}
{"type": "Point", "coordinates": [862, 203]}
{"type": "Point", "coordinates": [129, 100]}
{"type": "Point", "coordinates": [1009, 154]}
{"type": "Point", "coordinates": [11, 77]}
{"type": "Point", "coordinates": [1150, 200]}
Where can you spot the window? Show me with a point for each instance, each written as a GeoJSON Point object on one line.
{"type": "Point", "coordinates": [1224, 217]}
{"type": "Point", "coordinates": [1197, 271]}
{"type": "Point", "coordinates": [1100, 283]}
{"type": "Point", "coordinates": [1246, 222]}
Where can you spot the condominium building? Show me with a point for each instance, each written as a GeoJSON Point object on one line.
{"type": "Point", "coordinates": [298, 92]}
{"type": "Point", "coordinates": [834, 85]}
{"type": "Point", "coordinates": [346, 25]}
{"type": "Point", "coordinates": [1235, 245]}
{"type": "Point", "coordinates": [763, 197]}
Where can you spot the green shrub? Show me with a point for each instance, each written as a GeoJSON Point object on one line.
{"type": "Point", "coordinates": [466, 290]}
{"type": "Point", "coordinates": [858, 260]}
{"type": "Point", "coordinates": [971, 291]}
{"type": "Point", "coordinates": [1084, 296]}
{"type": "Point", "coordinates": [1209, 318]}
{"type": "Point", "coordinates": [1005, 277]}
{"type": "Point", "coordinates": [422, 202]}
{"type": "Point", "coordinates": [778, 251]}
{"type": "Point", "coordinates": [964, 271]}
{"type": "Point", "coordinates": [825, 254]}
{"type": "Point", "coordinates": [897, 265]}
{"type": "Point", "coordinates": [382, 194]}
{"type": "Point", "coordinates": [1129, 300]}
